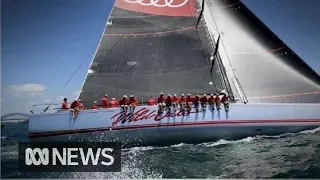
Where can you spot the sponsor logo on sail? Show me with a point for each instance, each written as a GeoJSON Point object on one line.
{"type": "Point", "coordinates": [159, 3]}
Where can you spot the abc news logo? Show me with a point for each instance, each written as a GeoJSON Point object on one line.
{"type": "Point", "coordinates": [70, 157]}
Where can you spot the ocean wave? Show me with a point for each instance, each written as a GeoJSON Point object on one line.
{"type": "Point", "coordinates": [313, 131]}
{"type": "Point", "coordinates": [224, 142]}
{"type": "Point", "coordinates": [178, 145]}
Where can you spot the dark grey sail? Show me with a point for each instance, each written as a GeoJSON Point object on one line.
{"type": "Point", "coordinates": [151, 47]}
{"type": "Point", "coordinates": [267, 69]}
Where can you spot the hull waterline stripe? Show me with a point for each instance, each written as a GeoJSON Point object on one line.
{"type": "Point", "coordinates": [243, 122]}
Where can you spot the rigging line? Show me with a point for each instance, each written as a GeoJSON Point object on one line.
{"type": "Point", "coordinates": [215, 85]}
{"type": "Point", "coordinates": [222, 41]}
{"type": "Point", "coordinates": [206, 58]}
{"type": "Point", "coordinates": [228, 58]}
{"type": "Point", "coordinates": [70, 78]}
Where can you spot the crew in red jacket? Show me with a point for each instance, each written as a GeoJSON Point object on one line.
{"type": "Point", "coordinates": [168, 102]}
{"type": "Point", "coordinates": [74, 104]}
{"type": "Point", "coordinates": [64, 105]}
{"type": "Point", "coordinates": [75, 108]}
{"type": "Point", "coordinates": [105, 101]}
{"type": "Point", "coordinates": [124, 104]}
{"type": "Point", "coordinates": [204, 101]}
{"type": "Point", "coordinates": [132, 103]}
{"type": "Point", "coordinates": [225, 100]}
{"type": "Point", "coordinates": [182, 102]}
{"type": "Point", "coordinates": [94, 106]}
{"type": "Point", "coordinates": [81, 106]}
{"type": "Point", "coordinates": [211, 101]}
{"type": "Point", "coordinates": [161, 102]}
{"type": "Point", "coordinates": [217, 101]}
{"type": "Point", "coordinates": [189, 102]}
{"type": "Point", "coordinates": [175, 102]}
{"type": "Point", "coordinates": [196, 102]}
{"type": "Point", "coordinates": [114, 103]}
{"type": "Point", "coordinates": [151, 102]}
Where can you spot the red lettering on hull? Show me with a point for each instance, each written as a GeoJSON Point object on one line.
{"type": "Point", "coordinates": [145, 114]}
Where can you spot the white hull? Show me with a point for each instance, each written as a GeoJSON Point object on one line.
{"type": "Point", "coordinates": [146, 128]}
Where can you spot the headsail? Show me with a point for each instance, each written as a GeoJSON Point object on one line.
{"type": "Point", "coordinates": [267, 69]}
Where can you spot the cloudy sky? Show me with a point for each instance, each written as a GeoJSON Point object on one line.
{"type": "Point", "coordinates": [44, 42]}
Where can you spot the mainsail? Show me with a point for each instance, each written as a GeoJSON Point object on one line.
{"type": "Point", "coordinates": [267, 69]}
{"type": "Point", "coordinates": [150, 47]}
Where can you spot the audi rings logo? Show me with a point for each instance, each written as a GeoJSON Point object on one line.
{"type": "Point", "coordinates": [159, 3]}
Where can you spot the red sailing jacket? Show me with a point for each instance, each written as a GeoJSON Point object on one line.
{"type": "Point", "coordinates": [64, 106]}
{"type": "Point", "coordinates": [182, 99]}
{"type": "Point", "coordinates": [133, 101]}
{"type": "Point", "coordinates": [168, 100]}
{"type": "Point", "coordinates": [114, 103]}
{"type": "Point", "coordinates": [105, 102]}
{"type": "Point", "coordinates": [224, 98]}
{"type": "Point", "coordinates": [161, 99]}
{"type": "Point", "coordinates": [123, 102]}
{"type": "Point", "coordinates": [204, 99]}
{"type": "Point", "coordinates": [94, 106]}
{"type": "Point", "coordinates": [151, 102]}
{"type": "Point", "coordinates": [189, 99]}
{"type": "Point", "coordinates": [211, 99]}
{"type": "Point", "coordinates": [217, 99]}
{"type": "Point", "coordinates": [174, 99]}
{"type": "Point", "coordinates": [74, 104]}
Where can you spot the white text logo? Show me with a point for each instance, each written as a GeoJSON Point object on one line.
{"type": "Point", "coordinates": [68, 157]}
{"type": "Point", "coordinates": [156, 3]}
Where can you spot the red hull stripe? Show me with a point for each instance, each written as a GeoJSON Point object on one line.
{"type": "Point", "coordinates": [243, 122]}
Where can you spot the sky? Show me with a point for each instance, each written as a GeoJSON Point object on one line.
{"type": "Point", "coordinates": [44, 42]}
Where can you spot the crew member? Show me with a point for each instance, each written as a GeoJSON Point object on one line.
{"type": "Point", "coordinates": [81, 106]}
{"type": "Point", "coordinates": [161, 103]}
{"type": "Point", "coordinates": [168, 102]}
{"type": "Point", "coordinates": [132, 103]}
{"type": "Point", "coordinates": [211, 101]}
{"type": "Point", "coordinates": [182, 102]}
{"type": "Point", "coordinates": [124, 104]}
{"type": "Point", "coordinates": [218, 101]}
{"type": "Point", "coordinates": [94, 106]}
{"type": "Point", "coordinates": [196, 102]}
{"type": "Point", "coordinates": [189, 102]}
{"type": "Point", "coordinates": [105, 101]}
{"type": "Point", "coordinates": [225, 101]}
{"type": "Point", "coordinates": [113, 103]}
{"type": "Point", "coordinates": [64, 105]}
{"type": "Point", "coordinates": [175, 102]}
{"type": "Point", "coordinates": [151, 101]}
{"type": "Point", "coordinates": [74, 104]}
{"type": "Point", "coordinates": [75, 108]}
{"type": "Point", "coordinates": [204, 101]}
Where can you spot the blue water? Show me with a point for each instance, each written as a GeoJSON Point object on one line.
{"type": "Point", "coordinates": [283, 156]}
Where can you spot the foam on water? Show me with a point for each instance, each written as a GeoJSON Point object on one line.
{"type": "Point", "coordinates": [223, 142]}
